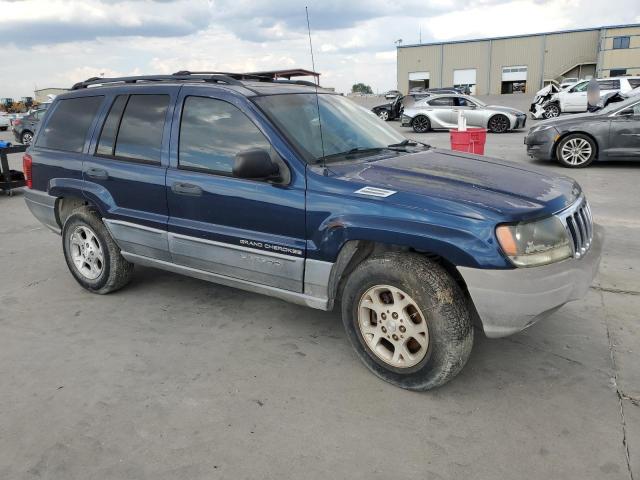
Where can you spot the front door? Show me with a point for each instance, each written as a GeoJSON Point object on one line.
{"type": "Point", "coordinates": [624, 134]}
{"type": "Point", "coordinates": [244, 229]}
{"type": "Point", "coordinates": [125, 171]}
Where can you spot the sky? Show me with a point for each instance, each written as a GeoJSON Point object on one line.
{"type": "Point", "coordinates": [55, 43]}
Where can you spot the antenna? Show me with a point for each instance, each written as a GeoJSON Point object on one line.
{"type": "Point", "coordinates": [313, 67]}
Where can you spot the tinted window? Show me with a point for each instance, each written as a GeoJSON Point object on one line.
{"type": "Point", "coordinates": [634, 82]}
{"type": "Point", "coordinates": [69, 123]}
{"type": "Point", "coordinates": [464, 102]}
{"type": "Point", "coordinates": [110, 128]}
{"type": "Point", "coordinates": [140, 133]}
{"type": "Point", "coordinates": [442, 102]}
{"type": "Point", "coordinates": [617, 72]}
{"type": "Point", "coordinates": [620, 42]}
{"type": "Point", "coordinates": [212, 132]}
{"type": "Point", "coordinates": [609, 84]}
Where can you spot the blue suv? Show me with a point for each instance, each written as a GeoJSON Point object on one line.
{"type": "Point", "coordinates": [284, 189]}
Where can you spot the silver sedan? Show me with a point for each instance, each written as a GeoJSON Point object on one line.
{"type": "Point", "coordinates": [441, 111]}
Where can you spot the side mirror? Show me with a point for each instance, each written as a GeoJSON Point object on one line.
{"type": "Point", "coordinates": [255, 164]}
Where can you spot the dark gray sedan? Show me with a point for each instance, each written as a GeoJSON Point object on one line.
{"type": "Point", "coordinates": [576, 141]}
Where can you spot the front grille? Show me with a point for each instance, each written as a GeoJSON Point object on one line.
{"type": "Point", "coordinates": [579, 224]}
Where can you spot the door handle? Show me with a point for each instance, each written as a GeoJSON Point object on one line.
{"type": "Point", "coordinates": [186, 189]}
{"type": "Point", "coordinates": [97, 173]}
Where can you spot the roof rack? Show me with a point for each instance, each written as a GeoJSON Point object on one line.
{"type": "Point", "coordinates": [177, 77]}
{"type": "Point", "coordinates": [228, 78]}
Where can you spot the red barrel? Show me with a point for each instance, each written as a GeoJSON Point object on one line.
{"type": "Point", "coordinates": [471, 141]}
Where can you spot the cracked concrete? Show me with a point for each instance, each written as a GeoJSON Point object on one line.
{"type": "Point", "coordinates": [174, 378]}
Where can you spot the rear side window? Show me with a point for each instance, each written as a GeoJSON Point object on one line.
{"type": "Point", "coordinates": [609, 84]}
{"type": "Point", "coordinates": [69, 124]}
{"type": "Point", "coordinates": [140, 133]}
{"type": "Point", "coordinates": [110, 129]}
{"type": "Point", "coordinates": [212, 132]}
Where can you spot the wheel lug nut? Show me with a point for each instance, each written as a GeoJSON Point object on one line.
{"type": "Point", "coordinates": [384, 316]}
{"type": "Point", "coordinates": [395, 315]}
{"type": "Point", "coordinates": [384, 329]}
{"type": "Point", "coordinates": [402, 328]}
{"type": "Point", "coordinates": [395, 337]}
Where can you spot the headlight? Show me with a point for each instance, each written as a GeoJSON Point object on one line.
{"type": "Point", "coordinates": [535, 243]}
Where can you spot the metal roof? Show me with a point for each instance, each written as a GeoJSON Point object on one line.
{"type": "Point", "coordinates": [507, 37]}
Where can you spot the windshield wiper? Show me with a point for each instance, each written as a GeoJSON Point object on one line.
{"type": "Point", "coordinates": [354, 150]}
{"type": "Point", "coordinates": [409, 143]}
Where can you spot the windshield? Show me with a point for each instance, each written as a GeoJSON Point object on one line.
{"type": "Point", "coordinates": [346, 127]}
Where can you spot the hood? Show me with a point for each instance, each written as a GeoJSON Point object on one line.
{"type": "Point", "coordinates": [463, 184]}
{"type": "Point", "coordinates": [500, 108]}
{"type": "Point", "coordinates": [567, 119]}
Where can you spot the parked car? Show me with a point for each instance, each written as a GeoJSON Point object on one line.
{"type": "Point", "coordinates": [393, 110]}
{"type": "Point", "coordinates": [4, 121]}
{"type": "Point", "coordinates": [233, 182]}
{"type": "Point", "coordinates": [441, 111]}
{"type": "Point", "coordinates": [576, 141]}
{"type": "Point", "coordinates": [24, 128]}
{"type": "Point", "coordinates": [574, 99]}
{"type": "Point", "coordinates": [392, 94]}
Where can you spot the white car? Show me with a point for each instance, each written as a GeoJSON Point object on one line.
{"type": "Point", "coordinates": [574, 99]}
{"type": "Point", "coordinates": [4, 121]}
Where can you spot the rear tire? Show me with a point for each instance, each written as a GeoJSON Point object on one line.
{"type": "Point", "coordinates": [421, 124]}
{"type": "Point", "coordinates": [389, 297]}
{"type": "Point", "coordinates": [92, 256]}
{"type": "Point", "coordinates": [26, 137]}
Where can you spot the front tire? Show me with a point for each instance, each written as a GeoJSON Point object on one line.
{"type": "Point", "coordinates": [92, 256]}
{"type": "Point", "coordinates": [383, 115]}
{"type": "Point", "coordinates": [408, 320]}
{"type": "Point", "coordinates": [576, 151]}
{"type": "Point", "coordinates": [499, 124]}
{"type": "Point", "coordinates": [421, 124]}
{"type": "Point", "coordinates": [551, 111]}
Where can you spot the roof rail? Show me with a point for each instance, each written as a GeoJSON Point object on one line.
{"type": "Point", "coordinates": [177, 77]}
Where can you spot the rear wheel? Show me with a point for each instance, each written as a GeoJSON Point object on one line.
{"type": "Point", "coordinates": [26, 138]}
{"type": "Point", "coordinates": [499, 123]}
{"type": "Point", "coordinates": [408, 320]}
{"type": "Point", "coordinates": [421, 124]}
{"type": "Point", "coordinates": [576, 151]}
{"type": "Point", "coordinates": [92, 256]}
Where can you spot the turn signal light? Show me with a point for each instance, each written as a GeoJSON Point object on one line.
{"type": "Point", "coordinates": [27, 163]}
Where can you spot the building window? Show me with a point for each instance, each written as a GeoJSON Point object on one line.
{"type": "Point", "coordinates": [620, 42]}
{"type": "Point", "coordinates": [617, 72]}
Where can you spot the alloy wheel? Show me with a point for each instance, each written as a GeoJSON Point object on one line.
{"type": "Point", "coordinates": [27, 138]}
{"type": "Point", "coordinates": [576, 151]}
{"type": "Point", "coordinates": [392, 326]}
{"type": "Point", "coordinates": [552, 111]}
{"type": "Point", "coordinates": [420, 124]}
{"type": "Point", "coordinates": [86, 252]}
{"type": "Point", "coordinates": [384, 115]}
{"type": "Point", "coordinates": [499, 124]}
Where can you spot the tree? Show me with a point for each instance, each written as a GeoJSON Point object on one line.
{"type": "Point", "coordinates": [361, 88]}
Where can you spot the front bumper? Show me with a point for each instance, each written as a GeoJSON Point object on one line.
{"type": "Point", "coordinates": [509, 301]}
{"type": "Point", "coordinates": [540, 144]}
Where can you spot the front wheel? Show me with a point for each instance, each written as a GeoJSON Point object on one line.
{"type": "Point", "coordinates": [383, 115]}
{"type": "Point", "coordinates": [408, 320]}
{"type": "Point", "coordinates": [92, 256]}
{"type": "Point", "coordinates": [499, 124]}
{"type": "Point", "coordinates": [421, 124]}
{"type": "Point", "coordinates": [576, 151]}
{"type": "Point", "coordinates": [551, 111]}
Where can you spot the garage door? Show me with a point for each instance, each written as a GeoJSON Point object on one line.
{"type": "Point", "coordinates": [465, 78]}
{"type": "Point", "coordinates": [514, 74]}
{"type": "Point", "coordinates": [418, 80]}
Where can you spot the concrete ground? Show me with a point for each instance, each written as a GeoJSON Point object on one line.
{"type": "Point", "coordinates": [175, 378]}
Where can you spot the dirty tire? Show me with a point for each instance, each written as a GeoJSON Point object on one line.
{"type": "Point", "coordinates": [116, 271]}
{"type": "Point", "coordinates": [450, 330]}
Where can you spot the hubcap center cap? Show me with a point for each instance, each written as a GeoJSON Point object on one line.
{"type": "Point", "coordinates": [392, 326]}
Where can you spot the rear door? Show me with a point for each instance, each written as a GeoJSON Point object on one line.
{"type": "Point", "coordinates": [125, 171]}
{"type": "Point", "coordinates": [246, 229]}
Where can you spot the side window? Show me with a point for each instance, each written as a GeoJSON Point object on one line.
{"type": "Point", "coordinates": [69, 124]}
{"type": "Point", "coordinates": [212, 132]}
{"type": "Point", "coordinates": [442, 102]}
{"type": "Point", "coordinates": [107, 141]}
{"type": "Point", "coordinates": [464, 102]}
{"type": "Point", "coordinates": [581, 87]}
{"type": "Point", "coordinates": [140, 133]}
{"type": "Point", "coordinates": [609, 84]}
{"type": "Point", "coordinates": [634, 82]}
